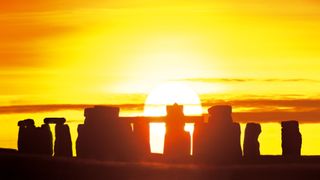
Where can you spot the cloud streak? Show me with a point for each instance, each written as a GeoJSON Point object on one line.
{"type": "Point", "coordinates": [58, 107]}
{"type": "Point", "coordinates": [293, 103]}
{"type": "Point", "coordinates": [264, 117]}
{"type": "Point", "coordinates": [246, 80]}
{"type": "Point", "coordinates": [306, 111]}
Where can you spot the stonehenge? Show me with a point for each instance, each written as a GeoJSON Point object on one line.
{"type": "Point", "coordinates": [106, 136]}
{"type": "Point", "coordinates": [38, 140]}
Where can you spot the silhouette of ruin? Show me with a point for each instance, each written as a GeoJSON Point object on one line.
{"type": "Point", "coordinates": [177, 141]}
{"type": "Point", "coordinates": [25, 135]}
{"type": "Point", "coordinates": [291, 139]}
{"type": "Point", "coordinates": [63, 143]}
{"type": "Point", "coordinates": [218, 141]}
{"type": "Point", "coordinates": [34, 140]}
{"type": "Point", "coordinates": [251, 146]}
{"type": "Point", "coordinates": [106, 136]}
{"type": "Point", "coordinates": [103, 136]}
{"type": "Point", "coordinates": [141, 139]}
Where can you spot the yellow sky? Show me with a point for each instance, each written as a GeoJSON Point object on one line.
{"type": "Point", "coordinates": [72, 52]}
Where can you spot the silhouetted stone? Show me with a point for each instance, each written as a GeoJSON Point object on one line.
{"type": "Point", "coordinates": [26, 123]}
{"type": "Point", "coordinates": [220, 115]}
{"type": "Point", "coordinates": [82, 149]}
{"type": "Point", "coordinates": [177, 141]}
{"type": "Point", "coordinates": [54, 120]}
{"type": "Point", "coordinates": [8, 151]}
{"type": "Point", "coordinates": [44, 140]}
{"type": "Point", "coordinates": [291, 139]}
{"type": "Point", "coordinates": [103, 136]}
{"type": "Point", "coordinates": [218, 141]}
{"type": "Point", "coordinates": [26, 127]}
{"type": "Point", "coordinates": [33, 140]}
{"type": "Point", "coordinates": [63, 143]}
{"type": "Point", "coordinates": [141, 139]}
{"type": "Point", "coordinates": [251, 146]}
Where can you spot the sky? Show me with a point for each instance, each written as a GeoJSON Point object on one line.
{"type": "Point", "coordinates": [258, 56]}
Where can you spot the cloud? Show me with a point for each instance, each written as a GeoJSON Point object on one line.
{"type": "Point", "coordinates": [305, 111]}
{"type": "Point", "coordinates": [59, 107]}
{"type": "Point", "coordinates": [270, 110]}
{"type": "Point", "coordinates": [245, 80]}
{"type": "Point", "coordinates": [294, 103]}
{"type": "Point", "coordinates": [24, 38]}
{"type": "Point", "coordinates": [19, 59]}
{"type": "Point", "coordinates": [260, 117]}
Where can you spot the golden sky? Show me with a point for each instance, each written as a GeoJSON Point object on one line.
{"type": "Point", "coordinates": [115, 52]}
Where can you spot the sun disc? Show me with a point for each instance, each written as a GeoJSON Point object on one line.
{"type": "Point", "coordinates": [170, 93]}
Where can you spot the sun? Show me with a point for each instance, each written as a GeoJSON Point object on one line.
{"type": "Point", "coordinates": [168, 94]}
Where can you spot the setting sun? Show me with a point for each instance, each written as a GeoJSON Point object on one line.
{"type": "Point", "coordinates": [170, 93]}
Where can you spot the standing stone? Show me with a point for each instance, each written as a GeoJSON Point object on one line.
{"type": "Point", "coordinates": [251, 146]}
{"type": "Point", "coordinates": [63, 143]}
{"type": "Point", "coordinates": [103, 136]}
{"type": "Point", "coordinates": [218, 141]}
{"type": "Point", "coordinates": [34, 140]}
{"type": "Point", "coordinates": [44, 136]}
{"type": "Point", "coordinates": [82, 149]}
{"type": "Point", "coordinates": [177, 141]}
{"type": "Point", "coordinates": [291, 139]}
{"type": "Point", "coordinates": [141, 139]}
{"type": "Point", "coordinates": [26, 128]}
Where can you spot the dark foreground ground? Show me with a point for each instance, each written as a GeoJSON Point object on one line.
{"type": "Point", "coordinates": [14, 166]}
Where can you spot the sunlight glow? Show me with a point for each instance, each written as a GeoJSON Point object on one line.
{"type": "Point", "coordinates": [155, 105]}
{"type": "Point", "coordinates": [170, 93]}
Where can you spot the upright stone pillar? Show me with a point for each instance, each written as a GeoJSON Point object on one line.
{"type": "Point", "coordinates": [25, 141]}
{"type": "Point", "coordinates": [104, 137]}
{"type": "Point", "coordinates": [177, 141]}
{"type": "Point", "coordinates": [63, 143]}
{"type": "Point", "coordinates": [291, 139]}
{"type": "Point", "coordinates": [218, 141]}
{"type": "Point", "coordinates": [34, 140]}
{"type": "Point", "coordinates": [251, 146]}
{"type": "Point", "coordinates": [82, 149]}
{"type": "Point", "coordinates": [44, 140]}
{"type": "Point", "coordinates": [141, 135]}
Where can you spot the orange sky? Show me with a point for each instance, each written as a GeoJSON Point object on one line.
{"type": "Point", "coordinates": [115, 52]}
